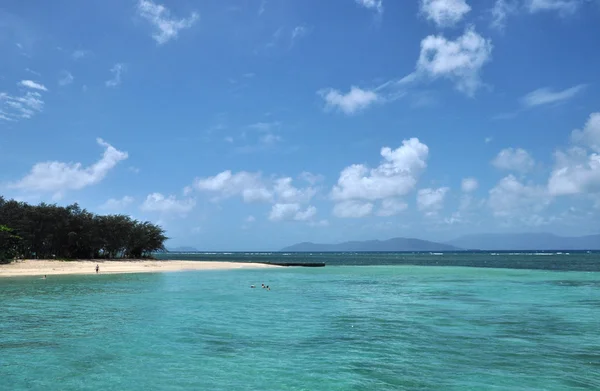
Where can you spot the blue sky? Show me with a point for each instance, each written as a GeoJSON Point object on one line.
{"type": "Point", "coordinates": [255, 124]}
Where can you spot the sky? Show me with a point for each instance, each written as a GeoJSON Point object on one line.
{"type": "Point", "coordinates": [256, 124]}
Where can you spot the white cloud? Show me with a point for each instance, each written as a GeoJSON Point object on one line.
{"type": "Point", "coordinates": [354, 101]}
{"type": "Point", "coordinates": [13, 108]}
{"type": "Point", "coordinates": [66, 78]}
{"type": "Point", "coordinates": [33, 85]}
{"type": "Point", "coordinates": [501, 10]}
{"type": "Point", "coordinates": [250, 219]}
{"type": "Point", "coordinates": [156, 202]}
{"type": "Point", "coordinates": [391, 207]}
{"type": "Point", "coordinates": [445, 13]}
{"type": "Point", "coordinates": [352, 209]}
{"type": "Point", "coordinates": [375, 5]}
{"type": "Point", "coordinates": [430, 201]}
{"type": "Point", "coordinates": [545, 96]}
{"type": "Point", "coordinates": [58, 177]}
{"type": "Point", "coordinates": [589, 136]}
{"type": "Point", "coordinates": [159, 16]}
{"type": "Point", "coordinates": [227, 184]}
{"type": "Point", "coordinates": [291, 212]}
{"type": "Point", "coordinates": [116, 70]}
{"type": "Point", "coordinates": [562, 6]}
{"type": "Point", "coordinates": [287, 193]}
{"type": "Point", "coordinates": [395, 176]}
{"type": "Point", "coordinates": [510, 198]}
{"type": "Point", "coordinates": [469, 185]}
{"type": "Point", "coordinates": [488, 140]}
{"type": "Point", "coordinates": [511, 159]}
{"type": "Point", "coordinates": [253, 188]}
{"type": "Point", "coordinates": [576, 171]}
{"type": "Point", "coordinates": [115, 204]}
{"type": "Point", "coordinates": [460, 60]}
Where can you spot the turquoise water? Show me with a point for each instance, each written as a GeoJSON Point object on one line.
{"type": "Point", "coordinates": [334, 328]}
{"type": "Point", "coordinates": [543, 260]}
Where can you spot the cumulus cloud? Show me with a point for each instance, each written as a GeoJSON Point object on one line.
{"type": "Point", "coordinates": [510, 198]}
{"type": "Point", "coordinates": [589, 136]}
{"type": "Point", "coordinates": [577, 170]}
{"type": "Point", "coordinates": [165, 26]}
{"type": "Point", "coordinates": [116, 204]}
{"type": "Point", "coordinates": [291, 212]}
{"type": "Point", "coordinates": [431, 201]}
{"type": "Point", "coordinates": [58, 177]}
{"type": "Point", "coordinates": [395, 177]}
{"type": "Point", "coordinates": [445, 13]}
{"type": "Point", "coordinates": [546, 96]}
{"type": "Point", "coordinates": [350, 103]}
{"type": "Point", "coordinates": [469, 185]}
{"type": "Point", "coordinates": [252, 187]}
{"type": "Point", "coordinates": [287, 193]}
{"type": "Point", "coordinates": [227, 184]}
{"type": "Point", "coordinates": [33, 85]}
{"type": "Point", "coordinates": [352, 209]}
{"type": "Point", "coordinates": [460, 60]}
{"type": "Point", "coordinates": [511, 159]}
{"type": "Point", "coordinates": [156, 202]}
{"type": "Point", "coordinates": [116, 70]}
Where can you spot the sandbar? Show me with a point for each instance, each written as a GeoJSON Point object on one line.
{"type": "Point", "coordinates": [36, 267]}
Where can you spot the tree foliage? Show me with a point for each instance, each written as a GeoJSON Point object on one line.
{"type": "Point", "coordinates": [49, 231]}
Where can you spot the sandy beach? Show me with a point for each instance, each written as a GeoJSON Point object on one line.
{"type": "Point", "coordinates": [52, 267]}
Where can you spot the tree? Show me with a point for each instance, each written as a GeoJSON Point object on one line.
{"type": "Point", "coordinates": [49, 231]}
{"type": "Point", "coordinates": [9, 244]}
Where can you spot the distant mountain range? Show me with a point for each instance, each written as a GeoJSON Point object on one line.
{"type": "Point", "coordinates": [396, 244]}
{"type": "Point", "coordinates": [484, 242]}
{"type": "Point", "coordinates": [526, 241]}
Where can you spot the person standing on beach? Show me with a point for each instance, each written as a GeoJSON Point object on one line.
{"type": "Point", "coordinates": [97, 269]}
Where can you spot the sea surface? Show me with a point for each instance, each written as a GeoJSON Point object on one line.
{"type": "Point", "coordinates": [342, 327]}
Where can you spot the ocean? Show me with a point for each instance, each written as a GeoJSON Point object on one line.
{"type": "Point", "coordinates": [364, 322]}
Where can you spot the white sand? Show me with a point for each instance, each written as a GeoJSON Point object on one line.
{"type": "Point", "coordinates": [51, 267]}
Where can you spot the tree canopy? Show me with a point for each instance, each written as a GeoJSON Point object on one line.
{"type": "Point", "coordinates": [47, 231]}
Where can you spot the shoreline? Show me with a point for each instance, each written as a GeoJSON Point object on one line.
{"type": "Point", "coordinates": [34, 267]}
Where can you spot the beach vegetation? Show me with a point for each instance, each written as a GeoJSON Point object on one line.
{"type": "Point", "coordinates": [48, 231]}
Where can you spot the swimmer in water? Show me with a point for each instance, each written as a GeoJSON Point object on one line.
{"type": "Point", "coordinates": [263, 286]}
{"type": "Point", "coordinates": [251, 286]}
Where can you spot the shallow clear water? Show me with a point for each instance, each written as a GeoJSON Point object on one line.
{"type": "Point", "coordinates": [333, 328]}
